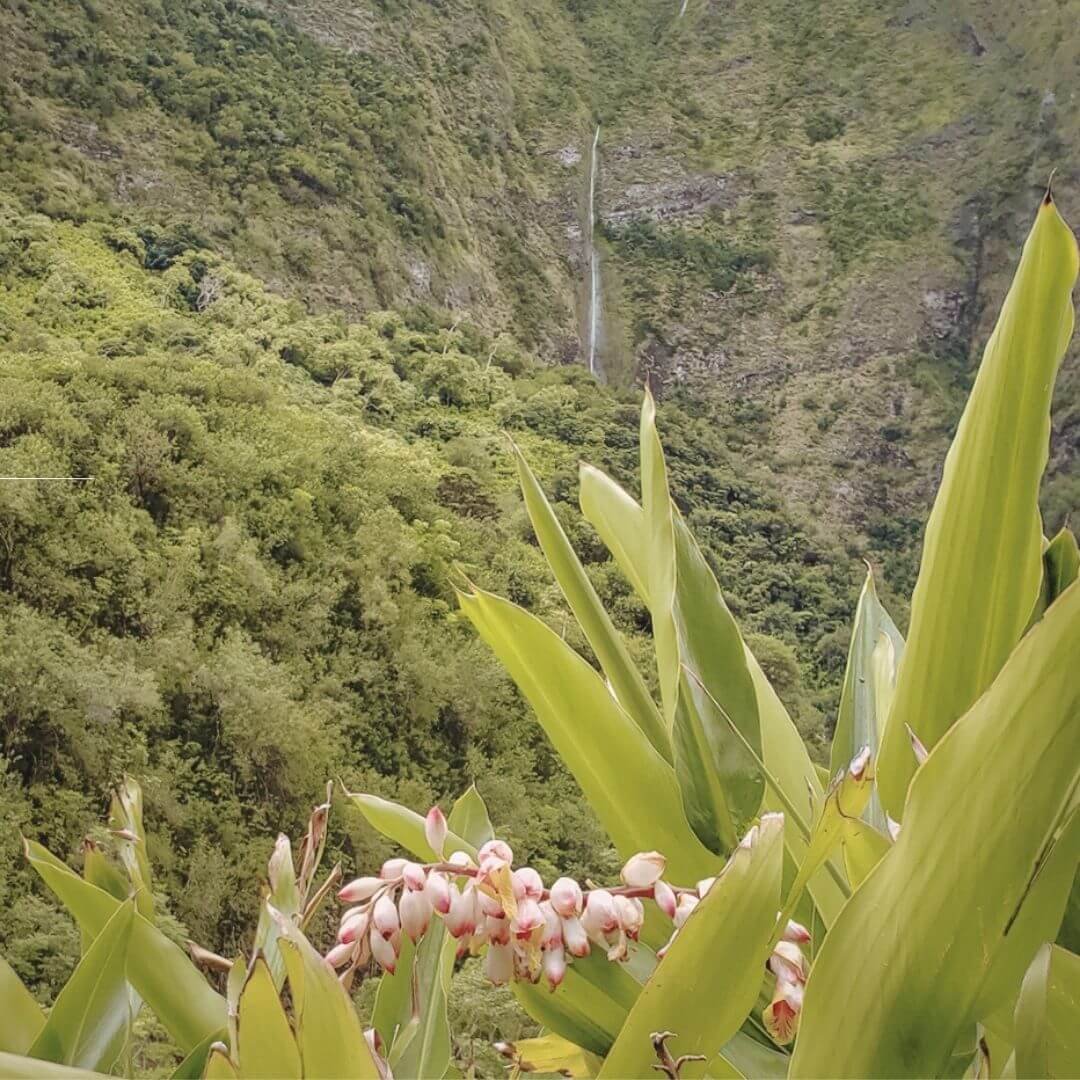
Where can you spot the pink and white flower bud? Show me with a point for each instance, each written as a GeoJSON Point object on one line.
{"type": "Point", "coordinates": [787, 962]}
{"type": "Point", "coordinates": [644, 869]}
{"type": "Point", "coordinates": [665, 898]}
{"type": "Point", "coordinates": [600, 916]}
{"type": "Point", "coordinates": [435, 830]}
{"type": "Point", "coordinates": [704, 885]}
{"type": "Point", "coordinates": [414, 876]}
{"type": "Point", "coordinates": [497, 930]}
{"type": "Point", "coordinates": [796, 932]}
{"type": "Point", "coordinates": [529, 918]}
{"type": "Point", "coordinates": [781, 1018]}
{"type": "Point", "coordinates": [353, 927]}
{"type": "Point", "coordinates": [462, 859]}
{"type": "Point", "coordinates": [437, 889]}
{"type": "Point", "coordinates": [489, 905]}
{"type": "Point", "coordinates": [554, 965]}
{"type": "Point", "coordinates": [499, 964]}
{"type": "Point", "coordinates": [631, 913]}
{"type": "Point", "coordinates": [360, 889]}
{"type": "Point", "coordinates": [340, 954]}
{"type": "Point", "coordinates": [552, 934]}
{"type": "Point", "coordinates": [497, 852]}
{"type": "Point", "coordinates": [527, 883]}
{"type": "Point", "coordinates": [384, 918]}
{"type": "Point", "coordinates": [391, 869]}
{"type": "Point", "coordinates": [280, 862]}
{"type": "Point", "coordinates": [575, 937]}
{"type": "Point", "coordinates": [566, 897]}
{"type": "Point", "coordinates": [415, 914]}
{"type": "Point", "coordinates": [462, 917]}
{"type": "Point", "coordinates": [687, 903]}
{"type": "Point", "coordinates": [383, 951]}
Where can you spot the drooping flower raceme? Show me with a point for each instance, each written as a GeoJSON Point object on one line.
{"type": "Point", "coordinates": [526, 930]}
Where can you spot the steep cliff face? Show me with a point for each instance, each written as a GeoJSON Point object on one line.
{"type": "Point", "coordinates": [806, 214]}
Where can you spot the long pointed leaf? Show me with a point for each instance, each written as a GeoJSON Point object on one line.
{"type": "Point", "coordinates": [706, 985]}
{"type": "Point", "coordinates": [266, 1047]}
{"type": "Point", "coordinates": [21, 1017]}
{"type": "Point", "coordinates": [158, 969]}
{"type": "Point", "coordinates": [998, 788]}
{"type": "Point", "coordinates": [595, 622]}
{"type": "Point", "coordinates": [875, 652]}
{"type": "Point", "coordinates": [1048, 1016]}
{"type": "Point", "coordinates": [89, 1023]}
{"type": "Point", "coordinates": [630, 787]}
{"type": "Point", "coordinates": [982, 555]}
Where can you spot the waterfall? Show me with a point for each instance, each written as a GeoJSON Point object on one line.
{"type": "Point", "coordinates": [682, 10]}
{"type": "Point", "coordinates": [594, 262]}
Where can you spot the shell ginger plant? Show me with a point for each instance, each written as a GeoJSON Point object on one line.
{"type": "Point", "coordinates": [899, 917]}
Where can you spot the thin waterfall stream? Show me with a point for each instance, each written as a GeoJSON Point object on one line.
{"type": "Point", "coordinates": [594, 260]}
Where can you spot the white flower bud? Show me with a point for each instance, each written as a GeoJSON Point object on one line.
{"type": "Point", "coordinates": [527, 883]}
{"type": "Point", "coordinates": [437, 889]}
{"type": "Point", "coordinates": [566, 897]}
{"type": "Point", "coordinates": [385, 917]}
{"type": "Point", "coordinates": [665, 898]}
{"type": "Point", "coordinates": [280, 862]}
{"type": "Point", "coordinates": [497, 930]}
{"type": "Point", "coordinates": [554, 965]}
{"type": "Point", "coordinates": [462, 859]}
{"type": "Point", "coordinates": [787, 962]}
{"type": "Point", "coordinates": [496, 852]}
{"type": "Point", "coordinates": [617, 950]}
{"type": "Point", "coordinates": [499, 964]}
{"type": "Point", "coordinates": [552, 934]}
{"type": "Point", "coordinates": [391, 869]}
{"type": "Point", "coordinates": [435, 830]}
{"type": "Point", "coordinates": [857, 768]}
{"type": "Point", "coordinates": [796, 932]}
{"type": "Point", "coordinates": [529, 918]}
{"type": "Point", "coordinates": [340, 954]}
{"type": "Point", "coordinates": [354, 926]}
{"type": "Point", "coordinates": [461, 918]}
{"type": "Point", "coordinates": [600, 916]}
{"type": "Point", "coordinates": [631, 914]}
{"type": "Point", "coordinates": [687, 903]}
{"type": "Point", "coordinates": [643, 869]}
{"type": "Point", "coordinates": [383, 951]}
{"type": "Point", "coordinates": [414, 876]}
{"type": "Point", "coordinates": [360, 889]}
{"type": "Point", "coordinates": [574, 936]}
{"type": "Point", "coordinates": [415, 914]}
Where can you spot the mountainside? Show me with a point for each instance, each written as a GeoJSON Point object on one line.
{"type": "Point", "coordinates": [278, 275]}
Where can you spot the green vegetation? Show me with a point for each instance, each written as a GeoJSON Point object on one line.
{"type": "Point", "coordinates": [255, 590]}
{"type": "Point", "coordinates": [918, 952]}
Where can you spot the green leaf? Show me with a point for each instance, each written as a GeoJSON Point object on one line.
{"type": "Point", "coordinates": [15, 1067]}
{"type": "Point", "coordinates": [628, 784]}
{"type": "Point", "coordinates": [617, 518]}
{"type": "Point", "coordinates": [1060, 566]}
{"type": "Point", "coordinates": [218, 1066]}
{"type": "Point", "coordinates": [921, 963]}
{"type": "Point", "coordinates": [606, 642]}
{"type": "Point", "coordinates": [469, 819]}
{"type": "Point", "coordinates": [620, 523]}
{"type": "Point", "coordinates": [982, 553]}
{"type": "Point", "coordinates": [284, 896]}
{"type": "Point", "coordinates": [869, 681]}
{"type": "Point", "coordinates": [722, 785]}
{"type": "Point", "coordinates": [21, 1017]}
{"type": "Point", "coordinates": [328, 1031]}
{"type": "Point", "coordinates": [660, 568]}
{"type": "Point", "coordinates": [126, 821]}
{"type": "Point", "coordinates": [194, 1065]}
{"type": "Point", "coordinates": [1047, 1022]}
{"type": "Point", "coordinates": [266, 1047]}
{"type": "Point", "coordinates": [405, 827]}
{"type": "Point", "coordinates": [708, 982]}
{"type": "Point", "coordinates": [89, 1023]}
{"type": "Point", "coordinates": [743, 1056]}
{"type": "Point", "coordinates": [864, 847]}
{"type": "Point", "coordinates": [157, 968]}
{"type": "Point", "coordinates": [553, 1054]}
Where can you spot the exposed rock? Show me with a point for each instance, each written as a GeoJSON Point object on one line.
{"type": "Point", "coordinates": [567, 156]}
{"type": "Point", "coordinates": [667, 199]}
